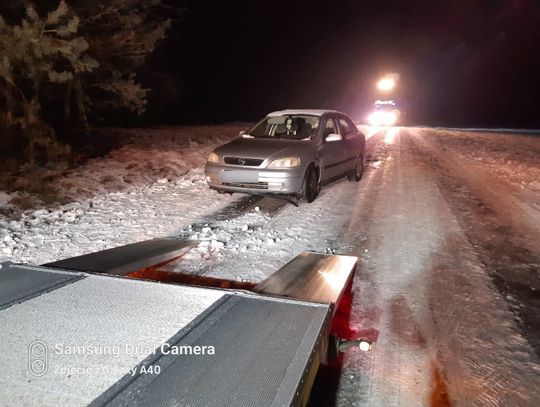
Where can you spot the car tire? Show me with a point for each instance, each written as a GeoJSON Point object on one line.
{"type": "Point", "coordinates": [311, 185]}
{"type": "Point", "coordinates": [358, 170]}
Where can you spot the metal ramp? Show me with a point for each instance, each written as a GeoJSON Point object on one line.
{"type": "Point", "coordinates": [268, 345]}
{"type": "Point", "coordinates": [124, 259]}
{"type": "Point", "coordinates": [311, 277]}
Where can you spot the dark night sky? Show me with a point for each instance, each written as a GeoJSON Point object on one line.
{"type": "Point", "coordinates": [462, 62]}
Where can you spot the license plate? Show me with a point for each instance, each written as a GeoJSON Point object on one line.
{"type": "Point", "coordinates": [239, 176]}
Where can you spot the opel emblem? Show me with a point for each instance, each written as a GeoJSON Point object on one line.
{"type": "Point", "coordinates": [241, 161]}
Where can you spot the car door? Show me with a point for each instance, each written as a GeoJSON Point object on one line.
{"type": "Point", "coordinates": [333, 153]}
{"type": "Point", "coordinates": [351, 142]}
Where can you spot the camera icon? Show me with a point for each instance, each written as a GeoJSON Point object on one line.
{"type": "Point", "coordinates": [38, 358]}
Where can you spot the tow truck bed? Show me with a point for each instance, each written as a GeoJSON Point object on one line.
{"type": "Point", "coordinates": [267, 348]}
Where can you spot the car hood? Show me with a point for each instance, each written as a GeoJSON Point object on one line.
{"type": "Point", "coordinates": [262, 148]}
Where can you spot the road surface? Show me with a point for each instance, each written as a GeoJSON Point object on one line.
{"type": "Point", "coordinates": [446, 225]}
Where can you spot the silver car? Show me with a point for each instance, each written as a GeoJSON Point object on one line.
{"type": "Point", "coordinates": [289, 152]}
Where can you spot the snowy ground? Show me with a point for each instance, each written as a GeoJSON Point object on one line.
{"type": "Point", "coordinates": [445, 223]}
{"type": "Point", "coordinates": [151, 187]}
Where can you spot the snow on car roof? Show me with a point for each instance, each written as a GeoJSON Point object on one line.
{"type": "Point", "coordinates": [314, 112]}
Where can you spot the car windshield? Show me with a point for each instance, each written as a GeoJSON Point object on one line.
{"type": "Point", "coordinates": [291, 127]}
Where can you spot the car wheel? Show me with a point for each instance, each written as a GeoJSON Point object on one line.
{"type": "Point", "coordinates": [358, 170]}
{"type": "Point", "coordinates": [311, 186]}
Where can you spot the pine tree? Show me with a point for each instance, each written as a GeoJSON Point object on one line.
{"type": "Point", "coordinates": [121, 34]}
{"type": "Point", "coordinates": [71, 58]}
{"type": "Point", "coordinates": [39, 49]}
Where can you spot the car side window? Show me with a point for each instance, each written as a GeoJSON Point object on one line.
{"type": "Point", "coordinates": [329, 127]}
{"type": "Point", "coordinates": [345, 127]}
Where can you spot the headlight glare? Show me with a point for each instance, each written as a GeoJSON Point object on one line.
{"type": "Point", "coordinates": [390, 119]}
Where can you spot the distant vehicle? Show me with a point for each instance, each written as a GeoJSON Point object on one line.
{"type": "Point", "coordinates": [386, 113]}
{"type": "Point", "coordinates": [289, 152]}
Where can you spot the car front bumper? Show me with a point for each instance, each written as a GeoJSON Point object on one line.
{"type": "Point", "coordinates": [254, 180]}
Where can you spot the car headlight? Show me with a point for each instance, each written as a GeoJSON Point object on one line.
{"type": "Point", "coordinates": [287, 162]}
{"type": "Point", "coordinates": [390, 119]}
{"type": "Point", "coordinates": [375, 118]}
{"type": "Point", "coordinates": [213, 158]}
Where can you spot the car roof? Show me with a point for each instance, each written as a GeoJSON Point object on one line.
{"type": "Point", "coordinates": [312, 112]}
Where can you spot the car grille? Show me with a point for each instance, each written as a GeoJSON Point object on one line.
{"type": "Point", "coordinates": [250, 185]}
{"type": "Point", "coordinates": [247, 162]}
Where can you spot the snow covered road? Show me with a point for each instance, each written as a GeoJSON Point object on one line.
{"type": "Point", "coordinates": [446, 226]}
{"type": "Point", "coordinates": [447, 333]}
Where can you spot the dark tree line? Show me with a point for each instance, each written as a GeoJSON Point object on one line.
{"type": "Point", "coordinates": [65, 66]}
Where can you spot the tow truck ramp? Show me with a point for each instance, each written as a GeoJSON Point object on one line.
{"type": "Point", "coordinates": [80, 338]}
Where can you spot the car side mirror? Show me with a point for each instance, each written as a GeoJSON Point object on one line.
{"type": "Point", "coordinates": [333, 137]}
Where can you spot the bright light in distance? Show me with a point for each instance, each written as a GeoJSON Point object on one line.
{"type": "Point", "coordinates": [380, 103]}
{"type": "Point", "coordinates": [390, 119]}
{"type": "Point", "coordinates": [382, 118]}
{"type": "Point", "coordinates": [386, 84]}
{"type": "Point", "coordinates": [375, 118]}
